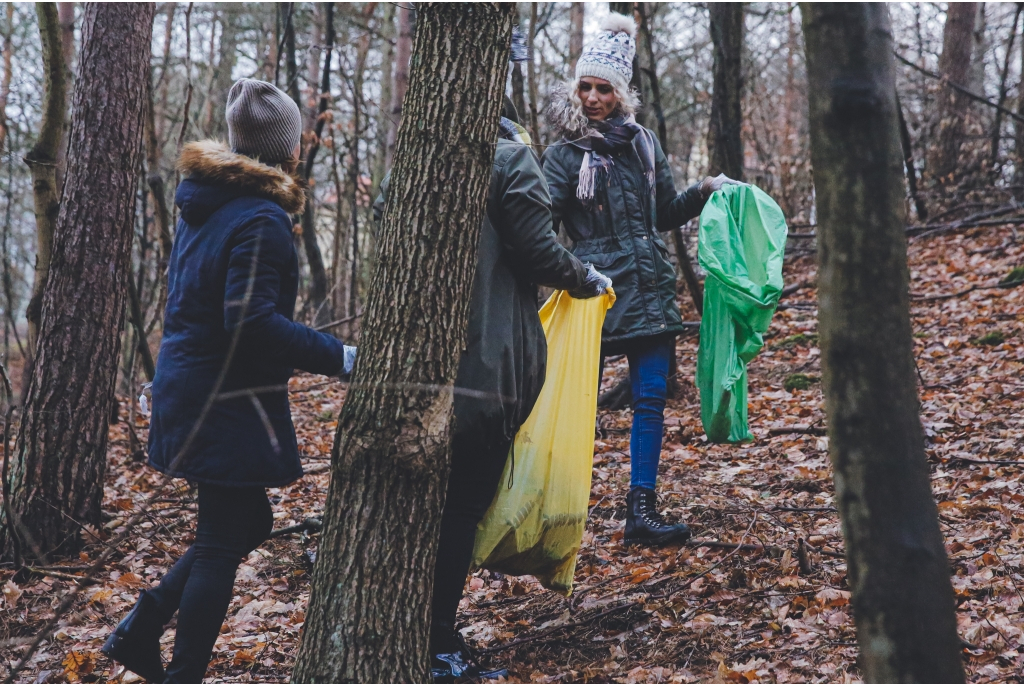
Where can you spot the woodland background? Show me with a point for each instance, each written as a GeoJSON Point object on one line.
{"type": "Point", "coordinates": [776, 609]}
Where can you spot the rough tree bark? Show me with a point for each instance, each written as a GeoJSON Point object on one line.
{"type": "Point", "coordinates": [60, 454]}
{"type": "Point", "coordinates": [42, 162]}
{"type": "Point", "coordinates": [955, 66]}
{"type": "Point", "coordinates": [369, 606]}
{"type": "Point", "coordinates": [898, 571]}
{"type": "Point", "coordinates": [725, 142]}
{"type": "Point", "coordinates": [403, 50]}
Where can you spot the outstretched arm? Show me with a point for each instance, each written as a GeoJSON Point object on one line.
{"type": "Point", "coordinates": [260, 253]}
{"type": "Point", "coordinates": [524, 223]}
{"type": "Point", "coordinates": [674, 209]}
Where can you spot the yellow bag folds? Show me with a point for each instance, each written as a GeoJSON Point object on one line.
{"type": "Point", "coordinates": [535, 526]}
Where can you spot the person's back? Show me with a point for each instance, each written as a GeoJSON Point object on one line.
{"type": "Point", "coordinates": [233, 211]}
{"type": "Point", "coordinates": [220, 400]}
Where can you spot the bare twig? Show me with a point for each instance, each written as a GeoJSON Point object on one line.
{"type": "Point", "coordinates": [188, 76]}
{"type": "Point", "coordinates": [798, 429]}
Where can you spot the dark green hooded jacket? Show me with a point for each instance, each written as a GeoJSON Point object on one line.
{"type": "Point", "coordinates": [620, 235]}
{"type": "Point", "coordinates": [504, 361]}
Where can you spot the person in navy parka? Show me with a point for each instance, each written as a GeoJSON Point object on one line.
{"type": "Point", "coordinates": [220, 405]}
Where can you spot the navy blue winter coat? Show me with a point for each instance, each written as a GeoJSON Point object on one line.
{"type": "Point", "coordinates": [233, 275]}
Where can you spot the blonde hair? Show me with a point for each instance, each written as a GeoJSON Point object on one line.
{"type": "Point", "coordinates": [567, 107]}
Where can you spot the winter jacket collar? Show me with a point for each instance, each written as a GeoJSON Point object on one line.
{"type": "Point", "coordinates": [211, 163]}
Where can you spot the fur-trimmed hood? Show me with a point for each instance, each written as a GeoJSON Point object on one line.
{"type": "Point", "coordinates": [213, 162]}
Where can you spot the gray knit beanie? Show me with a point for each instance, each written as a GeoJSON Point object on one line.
{"type": "Point", "coordinates": [610, 54]}
{"type": "Point", "coordinates": [263, 122]}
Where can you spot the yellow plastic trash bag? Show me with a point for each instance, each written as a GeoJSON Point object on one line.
{"type": "Point", "coordinates": [535, 526]}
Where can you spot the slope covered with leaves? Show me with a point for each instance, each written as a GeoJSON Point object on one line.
{"type": "Point", "coordinates": [776, 609]}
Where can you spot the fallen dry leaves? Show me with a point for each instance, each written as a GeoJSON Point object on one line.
{"type": "Point", "coordinates": [778, 610]}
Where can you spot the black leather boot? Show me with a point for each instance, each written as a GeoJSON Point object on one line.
{"type": "Point", "coordinates": [452, 659]}
{"type": "Point", "coordinates": [645, 526]}
{"type": "Point", "coordinates": [135, 643]}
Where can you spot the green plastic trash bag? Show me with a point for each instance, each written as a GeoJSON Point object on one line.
{"type": "Point", "coordinates": [741, 245]}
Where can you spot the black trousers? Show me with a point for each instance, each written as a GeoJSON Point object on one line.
{"type": "Point", "coordinates": [472, 482]}
{"type": "Point", "coordinates": [232, 523]}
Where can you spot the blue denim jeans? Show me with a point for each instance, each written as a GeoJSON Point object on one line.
{"type": "Point", "coordinates": [649, 360]}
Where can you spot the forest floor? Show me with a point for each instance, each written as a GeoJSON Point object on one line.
{"type": "Point", "coordinates": [778, 612]}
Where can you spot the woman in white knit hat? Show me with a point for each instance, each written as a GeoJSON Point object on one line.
{"type": "Point", "coordinates": [228, 331]}
{"type": "Point", "coordinates": [612, 189]}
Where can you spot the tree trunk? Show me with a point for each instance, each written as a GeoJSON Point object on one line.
{"type": "Point", "coordinates": [354, 173]}
{"type": "Point", "coordinates": [403, 50]}
{"type": "Point", "coordinates": [1018, 134]}
{"type": "Point", "coordinates": [519, 93]}
{"type": "Point", "coordinates": [317, 272]}
{"type": "Point", "coordinates": [531, 75]}
{"type": "Point", "coordinates": [42, 161]}
{"type": "Point", "coordinates": [139, 324]}
{"type": "Point", "coordinates": [577, 13]}
{"type": "Point", "coordinates": [60, 454]}
{"type": "Point", "coordinates": [382, 125]}
{"type": "Point", "coordinates": [954, 65]}
{"type": "Point", "coordinates": [636, 82]}
{"type": "Point", "coordinates": [155, 181]}
{"type": "Point", "coordinates": [689, 273]}
{"type": "Point", "coordinates": [908, 161]}
{"type": "Point", "coordinates": [316, 37]}
{"type": "Point", "coordinates": [979, 51]}
{"type": "Point", "coordinates": [391, 454]}
{"type": "Point", "coordinates": [216, 123]}
{"type": "Point", "coordinates": [5, 82]}
{"type": "Point", "coordinates": [898, 571]}
{"type": "Point", "coordinates": [66, 17]}
{"type": "Point", "coordinates": [725, 142]}
{"type": "Point", "coordinates": [291, 66]}
{"type": "Point", "coordinates": [650, 68]}
{"type": "Point", "coordinates": [997, 125]}
{"type": "Point", "coordinates": [321, 308]}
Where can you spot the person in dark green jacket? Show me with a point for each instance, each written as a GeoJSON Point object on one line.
{"type": "Point", "coordinates": [612, 189]}
{"type": "Point", "coordinates": [503, 363]}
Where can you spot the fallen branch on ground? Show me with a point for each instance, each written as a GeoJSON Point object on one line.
{"type": "Point", "coordinates": [803, 430]}
{"type": "Point", "coordinates": [313, 524]}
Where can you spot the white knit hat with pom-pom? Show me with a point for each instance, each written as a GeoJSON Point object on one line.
{"type": "Point", "coordinates": [610, 55]}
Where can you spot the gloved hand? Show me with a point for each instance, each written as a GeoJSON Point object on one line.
{"type": "Point", "coordinates": [710, 185]}
{"type": "Point", "coordinates": [594, 284]}
{"type": "Point", "coordinates": [350, 361]}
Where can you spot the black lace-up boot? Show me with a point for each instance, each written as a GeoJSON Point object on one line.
{"type": "Point", "coordinates": [645, 526]}
{"type": "Point", "coordinates": [135, 643]}
{"type": "Point", "coordinates": [451, 659]}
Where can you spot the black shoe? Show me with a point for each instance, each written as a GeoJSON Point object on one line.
{"type": "Point", "coordinates": [135, 643]}
{"type": "Point", "coordinates": [459, 662]}
{"type": "Point", "coordinates": [645, 526]}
